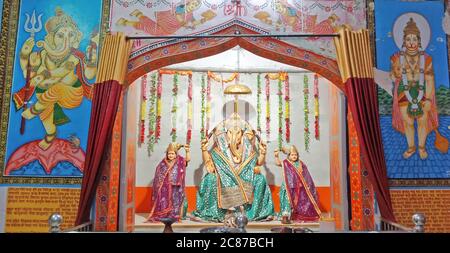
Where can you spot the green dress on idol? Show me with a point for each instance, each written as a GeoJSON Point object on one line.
{"type": "Point", "coordinates": [231, 184]}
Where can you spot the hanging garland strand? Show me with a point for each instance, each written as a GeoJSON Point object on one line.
{"type": "Point", "coordinates": [258, 103]}
{"type": "Point", "coordinates": [287, 116]}
{"type": "Point", "coordinates": [280, 114]}
{"type": "Point", "coordinates": [158, 107]}
{"type": "Point", "coordinates": [189, 112]}
{"type": "Point", "coordinates": [281, 77]}
{"type": "Point", "coordinates": [316, 106]}
{"type": "Point", "coordinates": [306, 110]}
{"type": "Point", "coordinates": [152, 116]}
{"type": "Point", "coordinates": [203, 109]}
{"type": "Point", "coordinates": [174, 110]}
{"type": "Point", "coordinates": [208, 103]}
{"type": "Point", "coordinates": [143, 109]}
{"type": "Point", "coordinates": [267, 108]}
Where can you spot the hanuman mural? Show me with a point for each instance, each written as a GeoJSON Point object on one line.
{"type": "Point", "coordinates": [414, 93]}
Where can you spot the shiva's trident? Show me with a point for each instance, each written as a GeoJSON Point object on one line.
{"type": "Point", "coordinates": [30, 27]}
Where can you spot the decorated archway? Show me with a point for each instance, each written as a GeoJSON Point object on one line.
{"type": "Point", "coordinates": [142, 62]}
{"type": "Point", "coordinates": [147, 59]}
{"type": "Point", "coordinates": [118, 168]}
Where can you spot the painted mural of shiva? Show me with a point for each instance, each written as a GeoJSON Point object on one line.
{"type": "Point", "coordinates": [414, 93]}
{"type": "Point", "coordinates": [169, 21]}
{"type": "Point", "coordinates": [58, 73]}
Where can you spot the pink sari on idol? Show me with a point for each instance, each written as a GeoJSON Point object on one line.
{"type": "Point", "coordinates": [168, 190]}
{"type": "Point", "coordinates": [301, 192]}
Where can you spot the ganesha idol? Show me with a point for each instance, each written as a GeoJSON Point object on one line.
{"type": "Point", "coordinates": [58, 72]}
{"type": "Point", "coordinates": [233, 182]}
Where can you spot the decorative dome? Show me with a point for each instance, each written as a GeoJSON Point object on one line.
{"type": "Point", "coordinates": [237, 89]}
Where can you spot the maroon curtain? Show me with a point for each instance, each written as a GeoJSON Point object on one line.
{"type": "Point", "coordinates": [363, 104]}
{"type": "Point", "coordinates": [104, 108]}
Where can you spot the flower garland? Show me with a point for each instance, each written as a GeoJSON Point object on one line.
{"type": "Point", "coordinates": [189, 111]}
{"type": "Point", "coordinates": [306, 110]}
{"type": "Point", "coordinates": [280, 115]}
{"type": "Point", "coordinates": [143, 109]}
{"type": "Point", "coordinates": [219, 79]}
{"type": "Point", "coordinates": [267, 107]}
{"type": "Point", "coordinates": [208, 104]}
{"type": "Point", "coordinates": [287, 115]}
{"type": "Point", "coordinates": [174, 110]}
{"type": "Point", "coordinates": [281, 77]}
{"type": "Point", "coordinates": [158, 107]}
{"type": "Point", "coordinates": [203, 108]}
{"type": "Point", "coordinates": [316, 106]}
{"type": "Point", "coordinates": [152, 116]}
{"type": "Point", "coordinates": [258, 104]}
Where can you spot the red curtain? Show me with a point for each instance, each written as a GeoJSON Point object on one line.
{"type": "Point", "coordinates": [363, 104]}
{"type": "Point", "coordinates": [104, 108]}
{"type": "Point", "coordinates": [354, 57]}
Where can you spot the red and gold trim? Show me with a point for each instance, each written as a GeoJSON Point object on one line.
{"type": "Point", "coordinates": [269, 48]}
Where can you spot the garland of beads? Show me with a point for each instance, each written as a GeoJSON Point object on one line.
{"type": "Point", "coordinates": [280, 114]}
{"type": "Point", "coordinates": [174, 110]}
{"type": "Point", "coordinates": [189, 111]}
{"type": "Point", "coordinates": [158, 107]}
{"type": "Point", "coordinates": [203, 108]}
{"type": "Point", "coordinates": [152, 116]}
{"type": "Point", "coordinates": [287, 115]}
{"type": "Point", "coordinates": [143, 109]}
{"type": "Point", "coordinates": [267, 108]}
{"type": "Point", "coordinates": [258, 104]}
{"type": "Point", "coordinates": [306, 110]}
{"type": "Point", "coordinates": [316, 107]}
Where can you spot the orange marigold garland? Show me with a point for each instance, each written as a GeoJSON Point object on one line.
{"type": "Point", "coordinates": [219, 79]}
